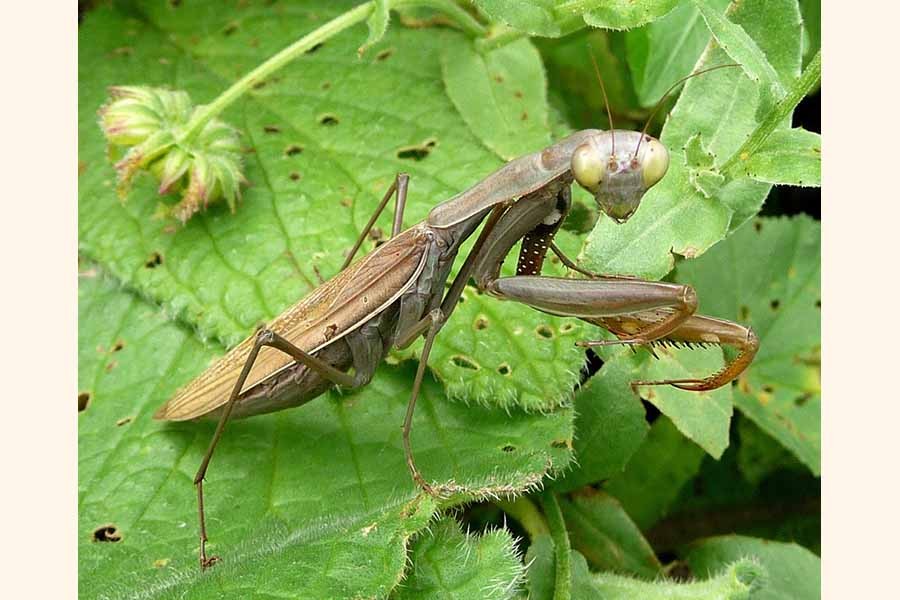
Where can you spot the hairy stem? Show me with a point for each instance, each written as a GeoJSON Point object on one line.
{"type": "Point", "coordinates": [527, 514]}
{"type": "Point", "coordinates": [807, 82]}
{"type": "Point", "coordinates": [562, 590]}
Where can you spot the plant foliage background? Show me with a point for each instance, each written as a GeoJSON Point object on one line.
{"type": "Point", "coordinates": [569, 484]}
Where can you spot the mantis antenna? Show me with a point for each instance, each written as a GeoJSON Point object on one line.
{"type": "Point", "coordinates": [612, 130]}
{"type": "Point", "coordinates": [666, 95]}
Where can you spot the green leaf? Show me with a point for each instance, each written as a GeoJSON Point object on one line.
{"type": "Point", "coordinates": [721, 106]}
{"type": "Point", "coordinates": [501, 95]}
{"type": "Point", "coordinates": [735, 582]}
{"type": "Point", "coordinates": [767, 275]}
{"type": "Point", "coordinates": [621, 14]}
{"type": "Point", "coordinates": [655, 474]}
{"type": "Point", "coordinates": [791, 157]}
{"type": "Point", "coordinates": [448, 564]}
{"type": "Point", "coordinates": [609, 422]}
{"type": "Point", "coordinates": [739, 580]}
{"type": "Point", "coordinates": [320, 155]}
{"type": "Point", "coordinates": [793, 572]}
{"type": "Point", "coordinates": [743, 50]}
{"type": "Point", "coordinates": [704, 417]}
{"type": "Point", "coordinates": [315, 500]}
{"type": "Point", "coordinates": [759, 454]}
{"type": "Point", "coordinates": [534, 17]}
{"type": "Point", "coordinates": [812, 26]}
{"type": "Point", "coordinates": [662, 52]}
{"type": "Point", "coordinates": [601, 530]}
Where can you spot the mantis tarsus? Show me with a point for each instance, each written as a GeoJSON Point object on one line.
{"type": "Point", "coordinates": [340, 332]}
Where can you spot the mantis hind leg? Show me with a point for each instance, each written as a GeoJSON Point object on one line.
{"type": "Point", "coordinates": [265, 337]}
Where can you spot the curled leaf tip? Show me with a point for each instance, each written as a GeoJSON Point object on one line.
{"type": "Point", "coordinates": [145, 126]}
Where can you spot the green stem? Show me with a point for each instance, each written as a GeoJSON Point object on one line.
{"type": "Point", "coordinates": [332, 27]}
{"type": "Point", "coordinates": [527, 514]}
{"type": "Point", "coordinates": [562, 590]}
{"type": "Point", "coordinates": [776, 116]}
{"type": "Point", "coordinates": [348, 19]}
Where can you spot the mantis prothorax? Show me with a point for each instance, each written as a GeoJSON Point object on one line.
{"type": "Point", "coordinates": [339, 333]}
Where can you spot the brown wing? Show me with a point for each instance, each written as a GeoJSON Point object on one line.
{"type": "Point", "coordinates": [329, 312]}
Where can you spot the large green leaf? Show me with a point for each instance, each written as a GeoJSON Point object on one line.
{"type": "Point", "coordinates": [666, 50]}
{"type": "Point", "coordinates": [722, 107]}
{"type": "Point", "coordinates": [767, 275]}
{"type": "Point", "coordinates": [793, 572]}
{"type": "Point", "coordinates": [316, 499]}
{"type": "Point", "coordinates": [609, 422]}
{"type": "Point", "coordinates": [656, 473]}
{"type": "Point", "coordinates": [601, 530]}
{"type": "Point", "coordinates": [319, 156]}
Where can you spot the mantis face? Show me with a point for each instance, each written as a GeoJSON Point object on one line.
{"type": "Point", "coordinates": [617, 167]}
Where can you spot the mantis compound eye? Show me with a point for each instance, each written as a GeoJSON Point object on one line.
{"type": "Point", "coordinates": [589, 167]}
{"type": "Point", "coordinates": [654, 161]}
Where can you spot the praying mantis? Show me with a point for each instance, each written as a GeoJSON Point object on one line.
{"type": "Point", "coordinates": [339, 333]}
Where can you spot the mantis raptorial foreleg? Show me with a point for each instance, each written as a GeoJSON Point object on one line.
{"type": "Point", "coordinates": [638, 312]}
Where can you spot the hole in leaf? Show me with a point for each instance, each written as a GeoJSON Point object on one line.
{"type": "Point", "coordinates": [174, 3]}
{"type": "Point", "coordinates": [560, 443]}
{"type": "Point", "coordinates": [107, 533]}
{"type": "Point", "coordinates": [118, 345]}
{"type": "Point", "coordinates": [757, 225]}
{"type": "Point", "coordinates": [271, 129]}
{"type": "Point", "coordinates": [566, 327]}
{"type": "Point", "coordinates": [802, 399]}
{"type": "Point", "coordinates": [480, 323]}
{"type": "Point", "coordinates": [545, 331]}
{"type": "Point", "coordinates": [328, 120]}
{"type": "Point", "coordinates": [768, 389]}
{"type": "Point", "coordinates": [315, 48]}
{"type": "Point", "coordinates": [293, 150]}
{"type": "Point", "coordinates": [651, 412]}
{"type": "Point", "coordinates": [230, 28]}
{"type": "Point", "coordinates": [775, 304]}
{"type": "Point", "coordinates": [464, 362]}
{"type": "Point", "coordinates": [743, 312]}
{"type": "Point", "coordinates": [819, 303]}
{"type": "Point", "coordinates": [384, 54]}
{"type": "Point", "coordinates": [504, 369]}
{"type": "Point", "coordinates": [154, 261]}
{"type": "Point", "coordinates": [509, 448]}
{"type": "Point", "coordinates": [416, 153]}
{"type": "Point", "coordinates": [84, 398]}
{"type": "Point", "coordinates": [294, 176]}
{"type": "Point", "coordinates": [123, 421]}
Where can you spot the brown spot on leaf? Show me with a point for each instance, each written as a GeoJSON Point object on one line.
{"type": "Point", "coordinates": [293, 150]}
{"type": "Point", "coordinates": [384, 54]}
{"type": "Point", "coordinates": [295, 176]}
{"type": "Point", "coordinates": [328, 120]}
{"type": "Point", "coordinates": [107, 533]}
{"type": "Point", "coordinates": [124, 421]}
{"type": "Point", "coordinates": [84, 398]}
{"type": "Point", "coordinates": [480, 323]}
{"type": "Point", "coordinates": [154, 261]}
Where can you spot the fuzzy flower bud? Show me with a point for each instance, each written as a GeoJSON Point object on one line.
{"type": "Point", "coordinates": [149, 125]}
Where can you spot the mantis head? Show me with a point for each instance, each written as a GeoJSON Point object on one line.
{"type": "Point", "coordinates": [618, 167]}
